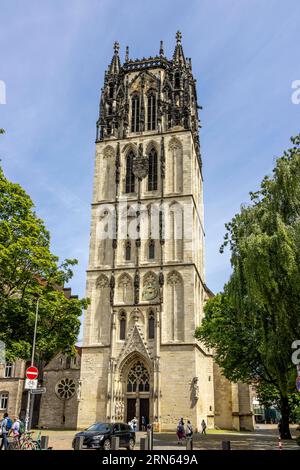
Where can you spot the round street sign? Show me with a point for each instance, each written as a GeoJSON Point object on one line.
{"type": "Point", "coordinates": [32, 373]}
{"type": "Point", "coordinates": [298, 383]}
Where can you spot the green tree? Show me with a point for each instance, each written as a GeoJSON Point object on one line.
{"type": "Point", "coordinates": [252, 324]}
{"type": "Point", "coordinates": [25, 261]}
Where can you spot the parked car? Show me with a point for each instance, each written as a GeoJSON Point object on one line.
{"type": "Point", "coordinates": [98, 436]}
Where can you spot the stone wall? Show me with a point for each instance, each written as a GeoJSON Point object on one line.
{"type": "Point", "coordinates": [59, 405]}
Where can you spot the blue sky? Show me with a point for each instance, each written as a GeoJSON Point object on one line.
{"type": "Point", "coordinates": [245, 57]}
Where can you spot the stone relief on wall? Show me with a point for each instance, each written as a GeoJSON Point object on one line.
{"type": "Point", "coordinates": [150, 290]}
{"type": "Point", "coordinates": [195, 388]}
{"type": "Point", "coordinates": [140, 165]}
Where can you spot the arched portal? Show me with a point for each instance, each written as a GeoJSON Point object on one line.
{"type": "Point", "coordinates": [137, 378]}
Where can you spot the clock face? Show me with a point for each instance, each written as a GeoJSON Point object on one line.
{"type": "Point", "coordinates": [150, 292]}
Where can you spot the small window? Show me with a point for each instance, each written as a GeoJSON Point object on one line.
{"type": "Point", "coordinates": [151, 248]}
{"type": "Point", "coordinates": [68, 362]}
{"type": "Point", "coordinates": [128, 251]}
{"type": "Point", "coordinates": [122, 326]}
{"type": "Point", "coordinates": [151, 326]}
{"type": "Point", "coordinates": [8, 370]}
{"type": "Point", "coordinates": [3, 400]}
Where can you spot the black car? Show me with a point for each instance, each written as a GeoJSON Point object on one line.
{"type": "Point", "coordinates": [98, 436]}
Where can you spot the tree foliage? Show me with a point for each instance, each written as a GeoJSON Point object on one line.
{"type": "Point", "coordinates": [25, 261]}
{"type": "Point", "coordinates": [253, 323]}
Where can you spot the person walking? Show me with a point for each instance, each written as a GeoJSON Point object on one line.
{"type": "Point", "coordinates": [5, 427]}
{"type": "Point", "coordinates": [180, 431]}
{"type": "Point", "coordinates": [203, 426]}
{"type": "Point", "coordinates": [15, 429]}
{"type": "Point", "coordinates": [134, 424]}
{"type": "Point", "coordinates": [189, 430]}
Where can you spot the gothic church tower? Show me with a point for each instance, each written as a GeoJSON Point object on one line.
{"type": "Point", "coordinates": [146, 277]}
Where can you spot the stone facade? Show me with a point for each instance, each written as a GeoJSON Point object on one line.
{"type": "Point", "coordinates": [11, 387]}
{"type": "Point", "coordinates": [59, 405]}
{"type": "Point", "coordinates": [146, 275]}
{"type": "Point", "coordinates": [57, 408]}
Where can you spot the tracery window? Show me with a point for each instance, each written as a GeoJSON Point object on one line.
{"type": "Point", "coordinates": [65, 388]}
{"type": "Point", "coordinates": [130, 179]}
{"type": "Point", "coordinates": [138, 378]}
{"type": "Point", "coordinates": [135, 113]}
{"type": "Point", "coordinates": [152, 175]}
{"type": "Point", "coordinates": [151, 106]}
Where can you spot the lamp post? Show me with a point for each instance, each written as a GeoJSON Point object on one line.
{"type": "Point", "coordinates": [27, 418]}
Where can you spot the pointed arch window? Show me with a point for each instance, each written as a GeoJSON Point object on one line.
{"type": "Point", "coordinates": [138, 379]}
{"type": "Point", "coordinates": [135, 113]}
{"type": "Point", "coordinates": [151, 248]}
{"type": "Point", "coordinates": [177, 80]}
{"type": "Point", "coordinates": [128, 250]}
{"type": "Point", "coordinates": [122, 326]}
{"type": "Point", "coordinates": [152, 175]}
{"type": "Point", "coordinates": [151, 107]}
{"type": "Point", "coordinates": [130, 179]}
{"type": "Point", "coordinates": [151, 326]}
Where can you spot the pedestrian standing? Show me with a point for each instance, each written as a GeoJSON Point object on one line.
{"type": "Point", "coordinates": [130, 424]}
{"type": "Point", "coordinates": [134, 424]}
{"type": "Point", "coordinates": [180, 431]}
{"type": "Point", "coordinates": [143, 423]}
{"type": "Point", "coordinates": [4, 430]}
{"type": "Point", "coordinates": [203, 426]}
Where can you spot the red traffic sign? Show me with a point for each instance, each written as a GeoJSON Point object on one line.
{"type": "Point", "coordinates": [298, 383]}
{"type": "Point", "coordinates": [32, 373]}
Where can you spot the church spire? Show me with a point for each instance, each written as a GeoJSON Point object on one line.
{"type": "Point", "coordinates": [115, 63]}
{"type": "Point", "coordinates": [178, 56]}
{"type": "Point", "coordinates": [161, 49]}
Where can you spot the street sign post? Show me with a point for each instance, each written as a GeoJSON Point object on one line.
{"type": "Point", "coordinates": [38, 391]}
{"type": "Point", "coordinates": [32, 373]}
{"type": "Point", "coordinates": [30, 384]}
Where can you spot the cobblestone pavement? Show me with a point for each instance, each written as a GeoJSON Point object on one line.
{"type": "Point", "coordinates": [262, 438]}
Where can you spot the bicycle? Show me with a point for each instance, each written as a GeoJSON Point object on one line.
{"type": "Point", "coordinates": [14, 444]}
{"type": "Point", "coordinates": [26, 441]}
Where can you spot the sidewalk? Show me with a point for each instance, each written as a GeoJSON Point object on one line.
{"type": "Point", "coordinates": [262, 438]}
